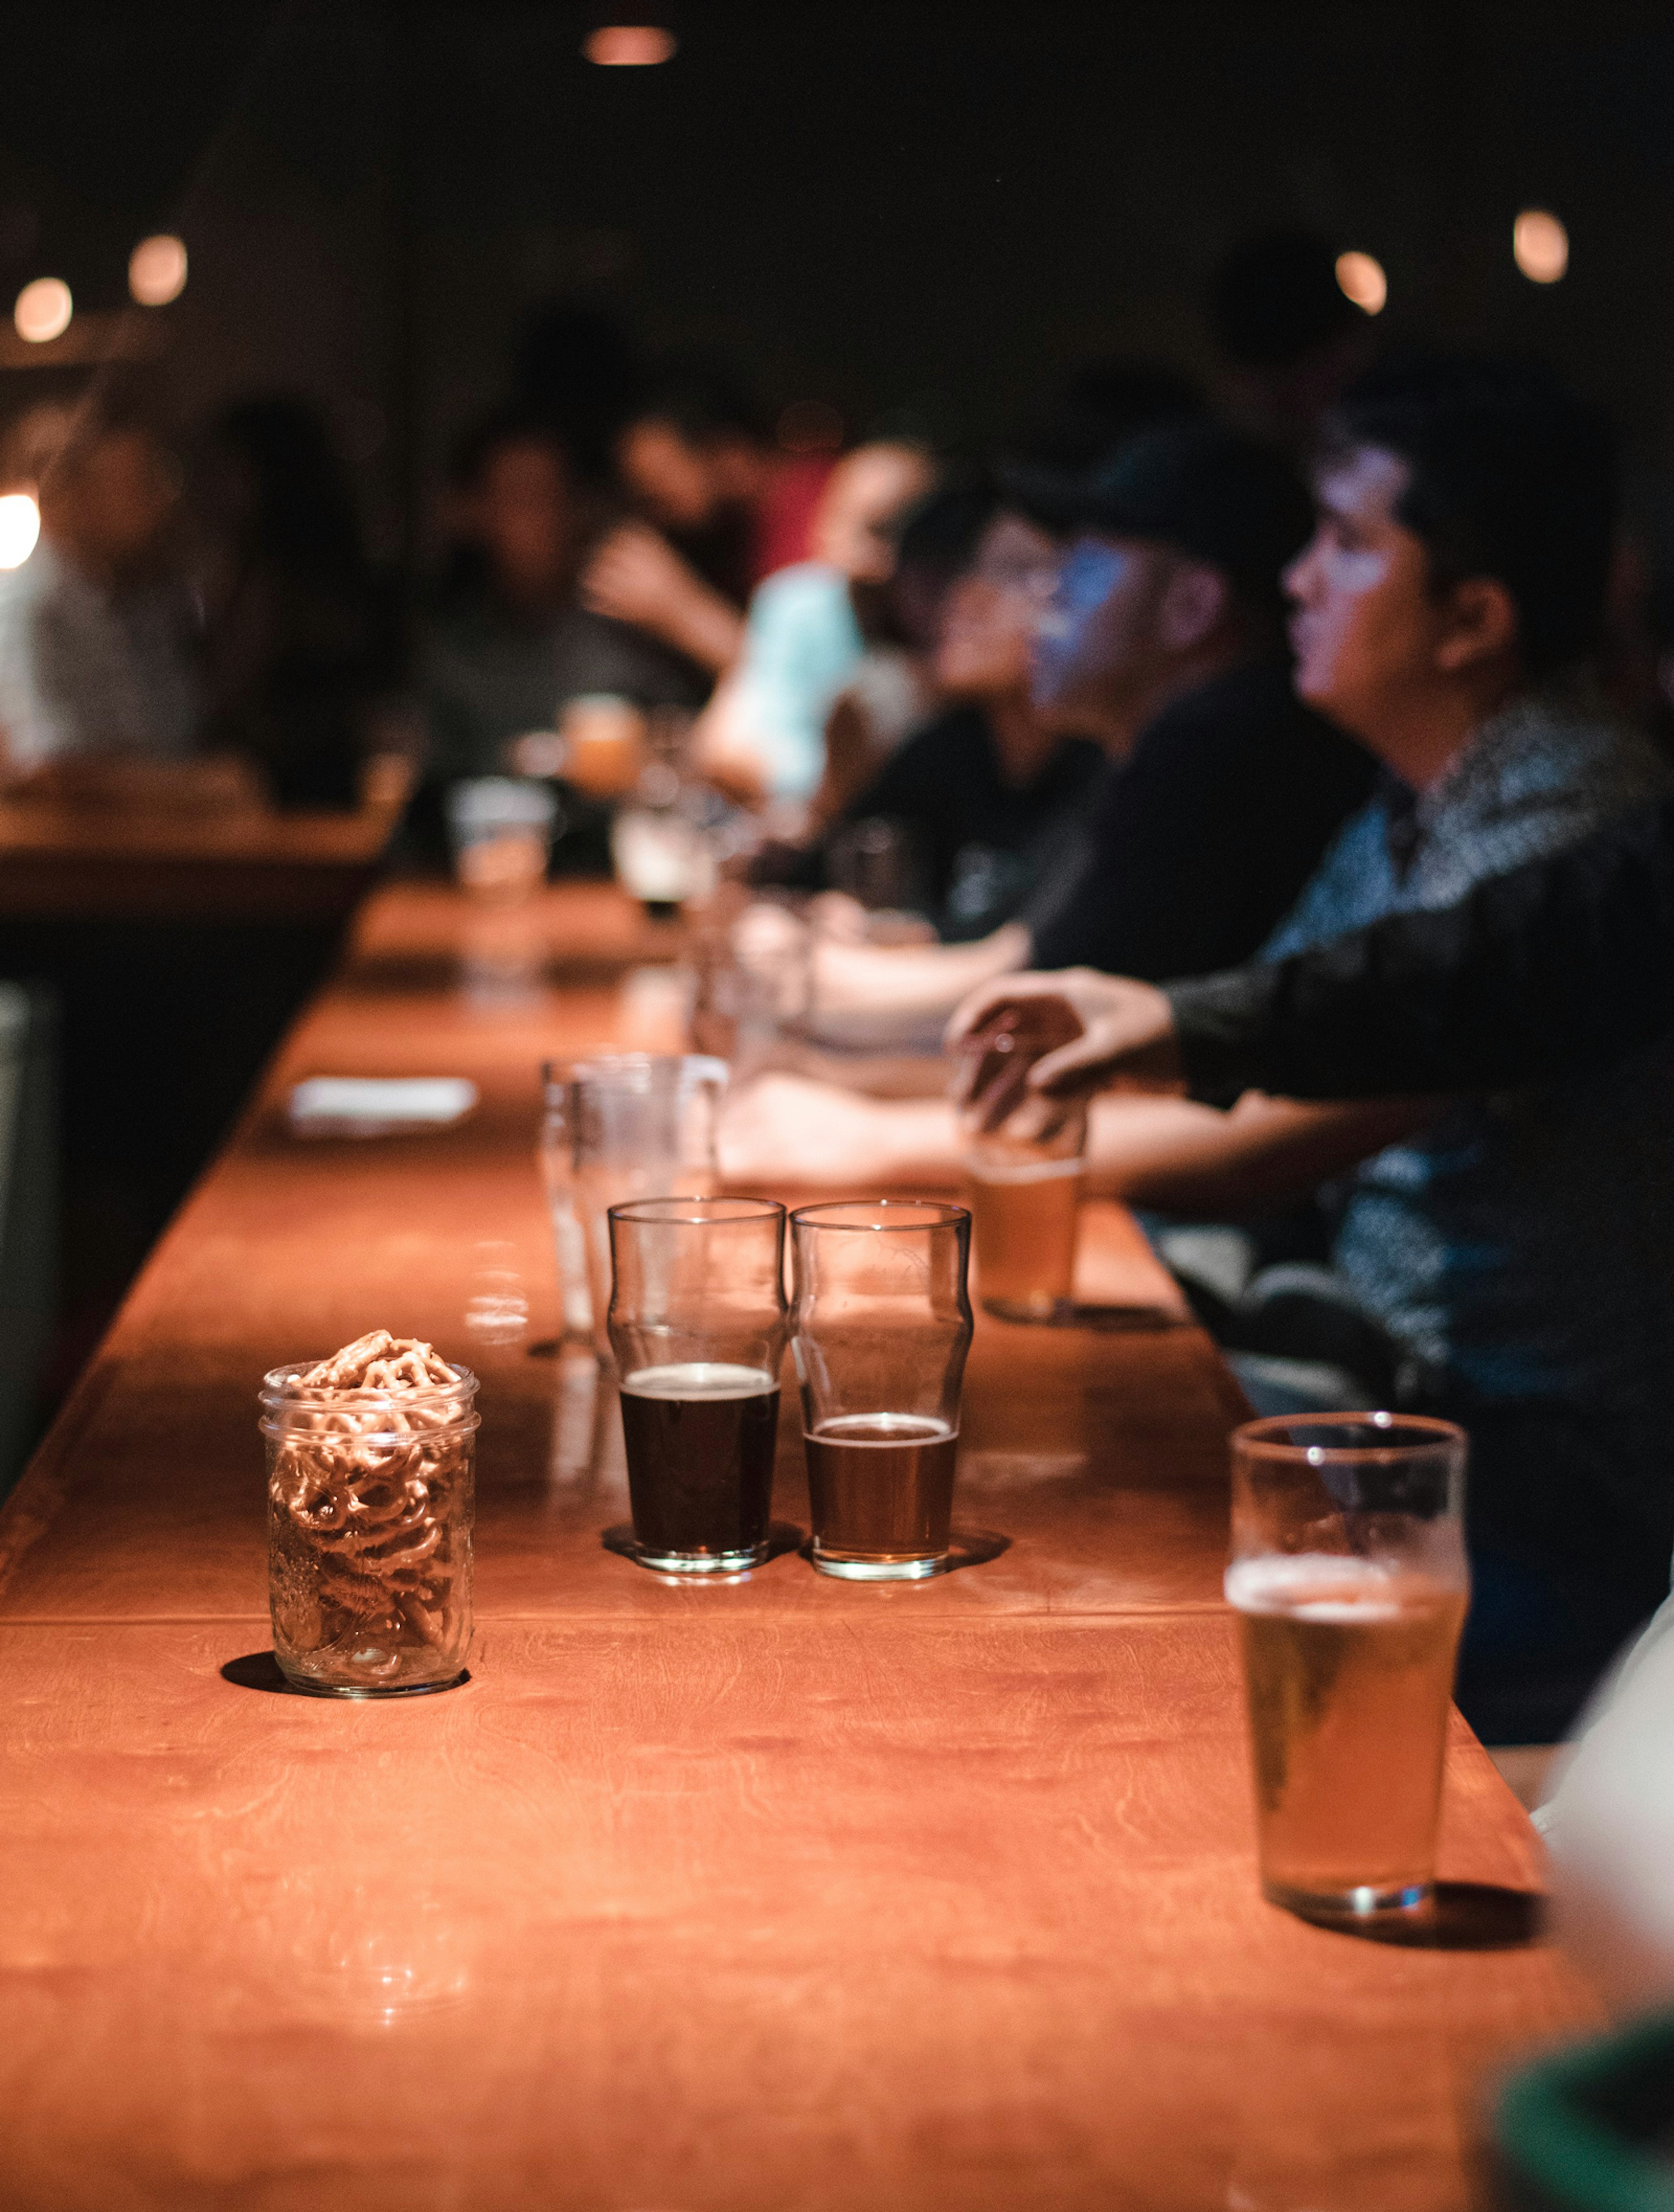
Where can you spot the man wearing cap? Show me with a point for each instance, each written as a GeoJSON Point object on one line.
{"type": "Point", "coordinates": [1164, 641]}
{"type": "Point", "coordinates": [1514, 1248]}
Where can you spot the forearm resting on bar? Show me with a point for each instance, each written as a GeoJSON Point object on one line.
{"type": "Point", "coordinates": [1201, 1164]}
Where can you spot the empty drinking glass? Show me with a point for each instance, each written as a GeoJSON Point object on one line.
{"type": "Point", "coordinates": [882, 1322]}
{"type": "Point", "coordinates": [617, 1126]}
{"type": "Point", "coordinates": [1349, 1577]}
{"type": "Point", "coordinates": [697, 1324]}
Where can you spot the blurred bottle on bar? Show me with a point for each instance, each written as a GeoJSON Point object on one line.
{"type": "Point", "coordinates": [1349, 1578]}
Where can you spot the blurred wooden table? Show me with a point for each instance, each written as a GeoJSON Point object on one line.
{"type": "Point", "coordinates": [788, 1894]}
{"type": "Point", "coordinates": [64, 861]}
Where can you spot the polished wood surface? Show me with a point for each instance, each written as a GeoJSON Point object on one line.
{"type": "Point", "coordinates": [63, 860]}
{"type": "Point", "coordinates": [782, 1893]}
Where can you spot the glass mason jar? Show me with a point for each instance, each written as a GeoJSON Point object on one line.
{"type": "Point", "coordinates": [371, 1497]}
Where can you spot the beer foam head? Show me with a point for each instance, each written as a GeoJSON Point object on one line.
{"type": "Point", "coordinates": [1320, 1586]}
{"type": "Point", "coordinates": [699, 1378]}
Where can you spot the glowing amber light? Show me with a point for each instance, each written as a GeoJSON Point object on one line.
{"type": "Point", "coordinates": [1361, 279]}
{"type": "Point", "coordinates": [1541, 245]}
{"type": "Point", "coordinates": [43, 310]}
{"type": "Point", "coordinates": [157, 271]}
{"type": "Point", "coordinates": [20, 526]}
{"type": "Point", "coordinates": [629, 46]}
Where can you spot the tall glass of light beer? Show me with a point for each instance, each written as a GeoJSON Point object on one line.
{"type": "Point", "coordinates": [1349, 1577]}
{"type": "Point", "coordinates": [881, 1322]}
{"type": "Point", "coordinates": [697, 1324]}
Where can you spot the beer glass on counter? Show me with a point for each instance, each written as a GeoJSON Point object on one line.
{"type": "Point", "coordinates": [1349, 1577]}
{"type": "Point", "coordinates": [615, 1127]}
{"type": "Point", "coordinates": [501, 829]}
{"type": "Point", "coordinates": [1026, 1193]}
{"type": "Point", "coordinates": [880, 1322]}
{"type": "Point", "coordinates": [1026, 1159]}
{"type": "Point", "coordinates": [697, 1323]}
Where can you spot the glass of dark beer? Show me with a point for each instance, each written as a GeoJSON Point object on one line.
{"type": "Point", "coordinates": [697, 1325]}
{"type": "Point", "coordinates": [1349, 1577]}
{"type": "Point", "coordinates": [881, 1323]}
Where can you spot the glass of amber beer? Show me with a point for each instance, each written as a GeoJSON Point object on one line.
{"type": "Point", "coordinates": [880, 1322]}
{"type": "Point", "coordinates": [697, 1325]}
{"type": "Point", "coordinates": [1026, 1193]}
{"type": "Point", "coordinates": [1349, 1577]}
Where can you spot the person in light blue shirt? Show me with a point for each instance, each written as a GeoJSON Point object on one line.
{"type": "Point", "coordinates": [810, 639]}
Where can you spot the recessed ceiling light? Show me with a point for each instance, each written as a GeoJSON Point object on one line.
{"type": "Point", "coordinates": [629, 46]}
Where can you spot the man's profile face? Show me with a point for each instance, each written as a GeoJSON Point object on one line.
{"type": "Point", "coordinates": [1095, 642]}
{"type": "Point", "coordinates": [1363, 624]}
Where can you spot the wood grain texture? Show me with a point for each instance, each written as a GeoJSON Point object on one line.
{"type": "Point", "coordinates": [786, 1893]}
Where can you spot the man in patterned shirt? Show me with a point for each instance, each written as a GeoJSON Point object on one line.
{"type": "Point", "coordinates": [1517, 1250]}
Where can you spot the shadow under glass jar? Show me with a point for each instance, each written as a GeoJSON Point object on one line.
{"type": "Point", "coordinates": [371, 1500]}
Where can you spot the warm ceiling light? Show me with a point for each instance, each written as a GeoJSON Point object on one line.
{"type": "Point", "coordinates": [1541, 245]}
{"type": "Point", "coordinates": [1361, 280]}
{"type": "Point", "coordinates": [43, 310]}
{"type": "Point", "coordinates": [629, 46]}
{"type": "Point", "coordinates": [157, 271]}
{"type": "Point", "coordinates": [20, 526]}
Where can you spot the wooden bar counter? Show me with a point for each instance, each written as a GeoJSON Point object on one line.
{"type": "Point", "coordinates": [775, 1897]}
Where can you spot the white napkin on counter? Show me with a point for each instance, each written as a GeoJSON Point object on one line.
{"type": "Point", "coordinates": [376, 1106]}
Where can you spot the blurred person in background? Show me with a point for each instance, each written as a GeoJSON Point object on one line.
{"type": "Point", "coordinates": [580, 371]}
{"type": "Point", "coordinates": [1291, 341]}
{"type": "Point", "coordinates": [1100, 406]}
{"type": "Point", "coordinates": [504, 641]}
{"type": "Point", "coordinates": [1162, 640]}
{"type": "Point", "coordinates": [822, 637]}
{"type": "Point", "coordinates": [722, 508]}
{"type": "Point", "coordinates": [986, 795]}
{"type": "Point", "coordinates": [96, 627]}
{"type": "Point", "coordinates": [301, 648]}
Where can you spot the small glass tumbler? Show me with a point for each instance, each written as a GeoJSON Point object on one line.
{"type": "Point", "coordinates": [1349, 1577]}
{"type": "Point", "coordinates": [881, 1322]}
{"type": "Point", "coordinates": [370, 1499]}
{"type": "Point", "coordinates": [620, 1126]}
{"type": "Point", "coordinates": [697, 1323]}
{"type": "Point", "coordinates": [501, 828]}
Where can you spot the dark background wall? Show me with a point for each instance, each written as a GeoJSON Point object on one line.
{"type": "Point", "coordinates": [934, 207]}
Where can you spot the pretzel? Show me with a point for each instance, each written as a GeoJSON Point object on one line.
{"type": "Point", "coordinates": [367, 1464]}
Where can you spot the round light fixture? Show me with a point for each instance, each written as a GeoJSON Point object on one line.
{"type": "Point", "coordinates": [629, 46]}
{"type": "Point", "coordinates": [1540, 245]}
{"type": "Point", "coordinates": [157, 271]}
{"type": "Point", "coordinates": [1361, 279]}
{"type": "Point", "coordinates": [43, 310]}
{"type": "Point", "coordinates": [20, 526]}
